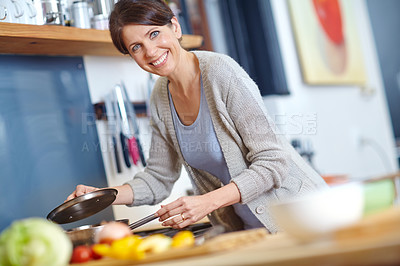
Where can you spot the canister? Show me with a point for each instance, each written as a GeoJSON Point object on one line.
{"type": "Point", "coordinates": [80, 15]}
{"type": "Point", "coordinates": [103, 7]}
{"type": "Point", "coordinates": [100, 22]}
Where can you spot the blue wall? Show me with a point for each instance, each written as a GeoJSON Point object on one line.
{"type": "Point", "coordinates": [48, 139]}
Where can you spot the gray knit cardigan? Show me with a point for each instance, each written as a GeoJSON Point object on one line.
{"type": "Point", "coordinates": [262, 164]}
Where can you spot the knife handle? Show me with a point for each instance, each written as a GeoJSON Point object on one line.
{"type": "Point", "coordinates": [125, 149]}
{"type": "Point", "coordinates": [133, 150]}
{"type": "Point", "coordinates": [141, 154]}
{"type": "Point", "coordinates": [117, 162]}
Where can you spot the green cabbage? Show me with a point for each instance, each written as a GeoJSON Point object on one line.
{"type": "Point", "coordinates": [34, 242]}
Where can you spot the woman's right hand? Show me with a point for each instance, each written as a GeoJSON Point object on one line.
{"type": "Point", "coordinates": [81, 190]}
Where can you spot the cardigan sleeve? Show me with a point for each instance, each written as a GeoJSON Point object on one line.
{"type": "Point", "coordinates": [268, 160]}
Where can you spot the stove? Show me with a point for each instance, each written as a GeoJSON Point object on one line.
{"type": "Point", "coordinates": [197, 229]}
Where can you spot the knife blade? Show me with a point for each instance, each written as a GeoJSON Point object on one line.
{"type": "Point", "coordinates": [132, 116]}
{"type": "Point", "coordinates": [119, 108]}
{"type": "Point", "coordinates": [113, 130]}
{"type": "Point", "coordinates": [126, 133]}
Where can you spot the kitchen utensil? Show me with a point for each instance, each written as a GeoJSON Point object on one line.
{"type": "Point", "coordinates": [29, 11]}
{"type": "Point", "coordinates": [125, 149]}
{"type": "Point", "coordinates": [3, 13]}
{"type": "Point", "coordinates": [51, 12]}
{"type": "Point", "coordinates": [100, 22]}
{"type": "Point", "coordinates": [111, 118]}
{"type": "Point", "coordinates": [132, 116]}
{"type": "Point", "coordinates": [103, 7]}
{"type": "Point", "coordinates": [80, 15]}
{"type": "Point", "coordinates": [143, 221]}
{"type": "Point", "coordinates": [124, 145]}
{"type": "Point", "coordinates": [319, 213]}
{"type": "Point", "coordinates": [12, 11]}
{"type": "Point", "coordinates": [83, 206]}
{"type": "Point", "coordinates": [85, 235]}
{"type": "Point", "coordinates": [126, 133]}
{"type": "Point", "coordinates": [210, 233]}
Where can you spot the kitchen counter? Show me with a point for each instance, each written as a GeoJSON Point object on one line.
{"type": "Point", "coordinates": [281, 249]}
{"type": "Point", "coordinates": [373, 241]}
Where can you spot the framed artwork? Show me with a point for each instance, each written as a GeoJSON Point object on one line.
{"type": "Point", "coordinates": [327, 42]}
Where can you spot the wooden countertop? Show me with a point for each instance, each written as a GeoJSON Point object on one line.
{"type": "Point", "coordinates": [373, 241]}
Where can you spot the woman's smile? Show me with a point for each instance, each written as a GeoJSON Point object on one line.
{"type": "Point", "coordinates": [161, 60]}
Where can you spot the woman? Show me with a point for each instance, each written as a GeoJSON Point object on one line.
{"type": "Point", "coordinates": [206, 114]}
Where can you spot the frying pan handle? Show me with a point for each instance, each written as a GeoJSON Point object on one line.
{"type": "Point", "coordinates": [143, 221]}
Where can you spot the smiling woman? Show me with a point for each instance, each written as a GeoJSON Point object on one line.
{"type": "Point", "coordinates": [204, 100]}
{"type": "Point", "coordinates": [127, 13]}
{"type": "Point", "coordinates": [150, 46]}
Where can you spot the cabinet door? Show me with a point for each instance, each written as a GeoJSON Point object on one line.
{"type": "Point", "coordinates": [385, 21]}
{"type": "Point", "coordinates": [48, 137]}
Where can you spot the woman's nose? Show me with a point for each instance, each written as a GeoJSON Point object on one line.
{"type": "Point", "coordinates": [150, 50]}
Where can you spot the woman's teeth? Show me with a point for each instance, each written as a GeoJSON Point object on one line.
{"type": "Point", "coordinates": [159, 61]}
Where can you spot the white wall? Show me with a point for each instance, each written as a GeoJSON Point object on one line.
{"type": "Point", "coordinates": [102, 74]}
{"type": "Point", "coordinates": [353, 132]}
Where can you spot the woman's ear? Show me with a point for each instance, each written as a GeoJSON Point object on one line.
{"type": "Point", "coordinates": [176, 27]}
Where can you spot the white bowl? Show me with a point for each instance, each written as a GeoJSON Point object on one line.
{"type": "Point", "coordinates": [319, 213]}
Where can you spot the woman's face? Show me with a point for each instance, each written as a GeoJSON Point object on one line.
{"type": "Point", "coordinates": [155, 49]}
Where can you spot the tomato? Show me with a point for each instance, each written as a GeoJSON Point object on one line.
{"type": "Point", "coordinates": [81, 254]}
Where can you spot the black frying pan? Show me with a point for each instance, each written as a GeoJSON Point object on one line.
{"type": "Point", "coordinates": [83, 206]}
{"type": "Point", "coordinates": [88, 204]}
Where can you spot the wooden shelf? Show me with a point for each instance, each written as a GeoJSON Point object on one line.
{"type": "Point", "coordinates": [62, 40]}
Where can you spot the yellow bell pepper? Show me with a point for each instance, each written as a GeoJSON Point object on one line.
{"type": "Point", "coordinates": [126, 248]}
{"type": "Point", "coordinates": [183, 239]}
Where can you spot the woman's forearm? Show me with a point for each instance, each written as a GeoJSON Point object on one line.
{"type": "Point", "coordinates": [124, 196]}
{"type": "Point", "coordinates": [224, 196]}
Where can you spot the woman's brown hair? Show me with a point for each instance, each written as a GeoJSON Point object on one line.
{"type": "Point", "coordinates": [140, 12]}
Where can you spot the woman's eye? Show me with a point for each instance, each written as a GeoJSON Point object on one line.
{"type": "Point", "coordinates": [135, 47]}
{"type": "Point", "coordinates": [154, 34]}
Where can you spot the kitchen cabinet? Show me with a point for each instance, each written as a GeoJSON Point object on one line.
{"type": "Point", "coordinates": [62, 40]}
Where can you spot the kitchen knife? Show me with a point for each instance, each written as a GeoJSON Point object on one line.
{"type": "Point", "coordinates": [121, 114]}
{"type": "Point", "coordinates": [133, 144]}
{"type": "Point", "coordinates": [111, 119]}
{"type": "Point", "coordinates": [125, 135]}
{"type": "Point", "coordinates": [132, 116]}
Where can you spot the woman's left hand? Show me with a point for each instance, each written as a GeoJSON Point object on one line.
{"type": "Point", "coordinates": [185, 211]}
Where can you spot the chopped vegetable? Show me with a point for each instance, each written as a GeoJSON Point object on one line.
{"type": "Point", "coordinates": [156, 243]}
{"type": "Point", "coordinates": [124, 248]}
{"type": "Point", "coordinates": [133, 247]}
{"type": "Point", "coordinates": [34, 242]}
{"type": "Point", "coordinates": [183, 239]}
{"type": "Point", "coordinates": [81, 254]}
{"type": "Point", "coordinates": [113, 231]}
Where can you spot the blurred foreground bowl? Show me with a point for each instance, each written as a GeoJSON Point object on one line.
{"type": "Point", "coordinates": [317, 214]}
